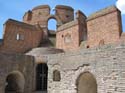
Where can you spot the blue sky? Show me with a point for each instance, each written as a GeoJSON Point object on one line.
{"type": "Point", "coordinates": [15, 9]}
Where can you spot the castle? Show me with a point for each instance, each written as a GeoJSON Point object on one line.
{"type": "Point", "coordinates": [84, 54]}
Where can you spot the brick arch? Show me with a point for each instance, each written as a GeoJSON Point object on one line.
{"type": "Point", "coordinates": [15, 82]}
{"type": "Point", "coordinates": [86, 83]}
{"type": "Point", "coordinates": [59, 23]}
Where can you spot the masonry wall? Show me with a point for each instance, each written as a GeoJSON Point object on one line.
{"type": "Point", "coordinates": [104, 27]}
{"type": "Point", "coordinates": [38, 15]}
{"type": "Point", "coordinates": [82, 26]}
{"type": "Point", "coordinates": [67, 36]}
{"type": "Point", "coordinates": [19, 38]}
{"type": "Point", "coordinates": [10, 64]}
{"type": "Point", "coordinates": [122, 38]}
{"type": "Point", "coordinates": [65, 13]}
{"type": "Point", "coordinates": [70, 35]}
{"type": "Point", "coordinates": [106, 64]}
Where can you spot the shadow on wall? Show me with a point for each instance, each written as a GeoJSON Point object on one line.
{"type": "Point", "coordinates": [15, 82]}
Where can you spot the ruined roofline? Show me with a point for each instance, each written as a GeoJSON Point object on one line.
{"type": "Point", "coordinates": [67, 25]}
{"type": "Point", "coordinates": [102, 12]}
{"type": "Point", "coordinates": [22, 24]}
{"type": "Point", "coordinates": [80, 12]}
{"type": "Point", "coordinates": [57, 6]}
{"type": "Point", "coordinates": [41, 7]}
{"type": "Point", "coordinates": [64, 7]}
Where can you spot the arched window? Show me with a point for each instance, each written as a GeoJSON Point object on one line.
{"type": "Point", "coordinates": [52, 24]}
{"type": "Point", "coordinates": [56, 75]}
{"type": "Point", "coordinates": [41, 77]}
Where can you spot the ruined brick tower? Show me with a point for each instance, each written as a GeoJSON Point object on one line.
{"type": "Point", "coordinates": [84, 54]}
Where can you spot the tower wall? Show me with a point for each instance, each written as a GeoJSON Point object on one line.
{"type": "Point", "coordinates": [39, 15]}
{"type": "Point", "coordinates": [104, 27]}
{"type": "Point", "coordinates": [65, 13]}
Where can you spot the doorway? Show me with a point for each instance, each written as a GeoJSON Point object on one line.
{"type": "Point", "coordinates": [86, 83]}
{"type": "Point", "coordinates": [41, 77]}
{"type": "Point", "coordinates": [15, 83]}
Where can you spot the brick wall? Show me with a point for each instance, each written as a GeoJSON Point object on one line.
{"type": "Point", "coordinates": [65, 13]}
{"type": "Point", "coordinates": [67, 36]}
{"type": "Point", "coordinates": [38, 14]}
{"type": "Point", "coordinates": [82, 26]}
{"type": "Point", "coordinates": [20, 37]}
{"type": "Point", "coordinates": [104, 27]}
{"type": "Point", "coordinates": [122, 38]}
{"type": "Point", "coordinates": [70, 35]}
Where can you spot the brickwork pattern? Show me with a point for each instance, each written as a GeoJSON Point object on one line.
{"type": "Point", "coordinates": [31, 37]}
{"type": "Point", "coordinates": [104, 27]}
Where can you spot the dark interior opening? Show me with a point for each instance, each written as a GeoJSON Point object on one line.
{"type": "Point", "coordinates": [41, 77]}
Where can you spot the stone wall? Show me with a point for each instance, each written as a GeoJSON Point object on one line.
{"type": "Point", "coordinates": [20, 37]}
{"type": "Point", "coordinates": [11, 64]}
{"type": "Point", "coordinates": [105, 63]}
{"type": "Point", "coordinates": [104, 27]}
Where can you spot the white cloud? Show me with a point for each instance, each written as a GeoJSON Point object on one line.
{"type": "Point", "coordinates": [121, 5]}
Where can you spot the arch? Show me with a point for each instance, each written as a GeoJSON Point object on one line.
{"type": "Point", "coordinates": [41, 77]}
{"type": "Point", "coordinates": [52, 21]}
{"type": "Point", "coordinates": [52, 24]}
{"type": "Point", "coordinates": [15, 82]}
{"type": "Point", "coordinates": [86, 83]}
{"type": "Point", "coordinates": [58, 21]}
{"type": "Point", "coordinates": [56, 75]}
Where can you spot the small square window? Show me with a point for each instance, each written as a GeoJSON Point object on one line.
{"type": "Point", "coordinates": [19, 37]}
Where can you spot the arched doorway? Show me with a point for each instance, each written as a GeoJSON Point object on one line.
{"type": "Point", "coordinates": [86, 83]}
{"type": "Point", "coordinates": [41, 77]}
{"type": "Point", "coordinates": [15, 83]}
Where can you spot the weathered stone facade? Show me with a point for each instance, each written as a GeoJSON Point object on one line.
{"type": "Point", "coordinates": [84, 54]}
